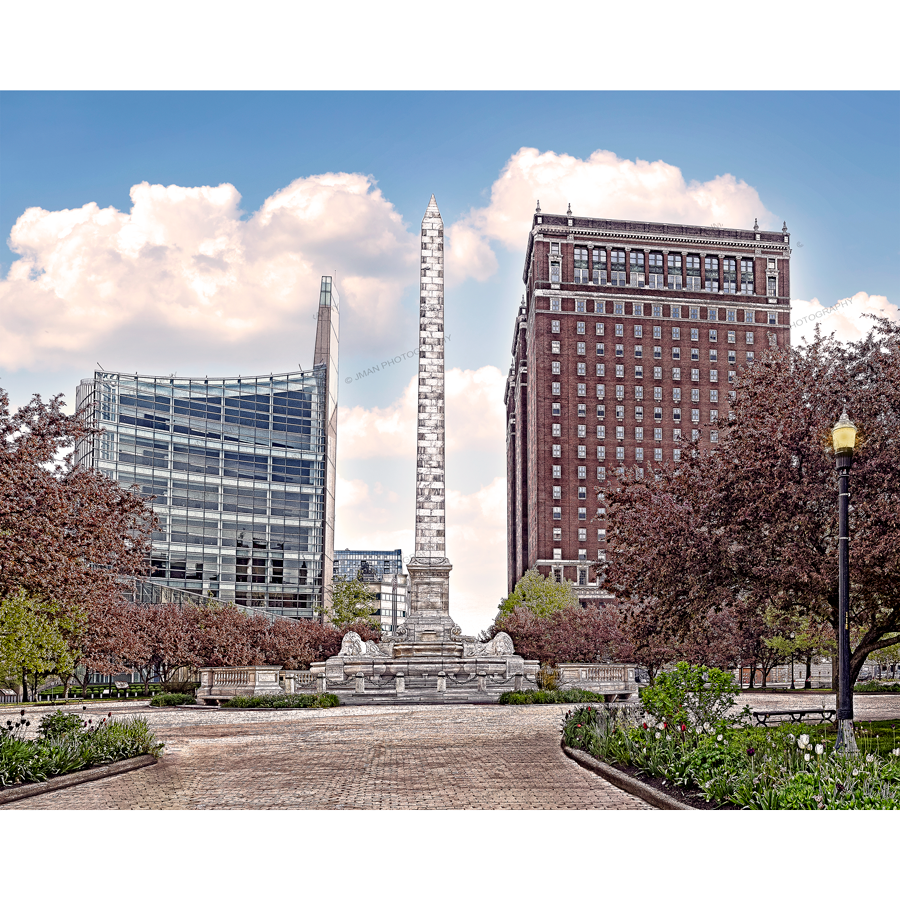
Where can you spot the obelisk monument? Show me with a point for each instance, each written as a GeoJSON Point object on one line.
{"type": "Point", "coordinates": [429, 621]}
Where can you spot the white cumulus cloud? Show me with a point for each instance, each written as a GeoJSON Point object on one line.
{"type": "Point", "coordinates": [183, 281]}
{"type": "Point", "coordinates": [475, 418]}
{"type": "Point", "coordinates": [846, 318]}
{"type": "Point", "coordinates": [602, 186]}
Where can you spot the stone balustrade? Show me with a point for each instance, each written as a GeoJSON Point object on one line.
{"type": "Point", "coordinates": [224, 683]}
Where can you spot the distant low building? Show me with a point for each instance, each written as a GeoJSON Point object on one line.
{"type": "Point", "coordinates": [382, 571]}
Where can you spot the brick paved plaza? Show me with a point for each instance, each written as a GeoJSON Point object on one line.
{"type": "Point", "coordinates": [426, 757]}
{"type": "Point", "coordinates": [465, 757]}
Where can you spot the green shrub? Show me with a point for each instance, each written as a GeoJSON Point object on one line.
{"type": "Point", "coordinates": [690, 695]}
{"type": "Point", "coordinates": [570, 695]}
{"type": "Point", "coordinates": [283, 701]}
{"type": "Point", "coordinates": [64, 745]}
{"type": "Point", "coordinates": [877, 687]}
{"type": "Point", "coordinates": [172, 700]}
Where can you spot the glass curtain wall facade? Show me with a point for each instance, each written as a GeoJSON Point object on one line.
{"type": "Point", "coordinates": [382, 571]}
{"type": "Point", "coordinates": [238, 469]}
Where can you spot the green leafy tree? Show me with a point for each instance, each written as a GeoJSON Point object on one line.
{"type": "Point", "coordinates": [541, 596]}
{"type": "Point", "coordinates": [352, 601]}
{"type": "Point", "coordinates": [31, 639]}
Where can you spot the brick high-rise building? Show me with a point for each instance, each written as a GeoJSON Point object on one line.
{"type": "Point", "coordinates": [629, 336]}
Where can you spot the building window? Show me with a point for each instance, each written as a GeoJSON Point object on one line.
{"type": "Point", "coordinates": [579, 307]}
{"type": "Point", "coordinates": [620, 392]}
{"type": "Point", "coordinates": [555, 409]}
{"type": "Point", "coordinates": [714, 437]}
{"type": "Point", "coordinates": [676, 455]}
{"type": "Point", "coordinates": [773, 318]}
{"type": "Point", "coordinates": [582, 410]}
{"type": "Point", "coordinates": [554, 346]}
{"type": "Point", "coordinates": [732, 357]}
{"type": "Point", "coordinates": [554, 388]}
{"type": "Point", "coordinates": [695, 416]}
{"type": "Point", "coordinates": [617, 262]}
{"type": "Point", "coordinates": [601, 433]}
{"type": "Point", "coordinates": [695, 354]}
{"type": "Point", "coordinates": [676, 334]}
{"type": "Point", "coordinates": [749, 315]}
{"type": "Point", "coordinates": [639, 413]}
{"type": "Point", "coordinates": [557, 492]}
{"type": "Point", "coordinates": [620, 432]}
{"type": "Point", "coordinates": [557, 451]}
{"type": "Point", "coordinates": [620, 453]}
{"type": "Point", "coordinates": [674, 277]}
{"type": "Point", "coordinates": [557, 554]}
{"type": "Point", "coordinates": [581, 265]}
{"type": "Point", "coordinates": [582, 390]}
{"type": "Point", "coordinates": [693, 273]}
{"type": "Point", "coordinates": [657, 454]}
{"type": "Point", "coordinates": [731, 377]}
{"type": "Point", "coordinates": [620, 349]}
{"type": "Point", "coordinates": [676, 374]}
{"type": "Point", "coordinates": [601, 534]}
{"type": "Point", "coordinates": [601, 453]}
{"type": "Point", "coordinates": [713, 355]}
{"type": "Point", "coordinates": [554, 304]}
{"type": "Point", "coordinates": [638, 351]}
{"type": "Point", "coordinates": [676, 353]}
{"type": "Point", "coordinates": [601, 391]}
{"type": "Point", "coordinates": [599, 329]}
{"type": "Point", "coordinates": [554, 326]}
{"type": "Point", "coordinates": [600, 349]}
{"type": "Point", "coordinates": [657, 371]}
{"type": "Point", "coordinates": [713, 335]}
{"type": "Point", "coordinates": [713, 396]}
{"type": "Point", "coordinates": [557, 471]}
{"type": "Point", "coordinates": [711, 274]}
{"type": "Point", "coordinates": [695, 312]}
{"type": "Point", "coordinates": [695, 434]}
{"type": "Point", "coordinates": [554, 271]}
{"type": "Point", "coordinates": [582, 369]}
{"type": "Point", "coordinates": [601, 370]}
{"type": "Point", "coordinates": [657, 414]}
{"type": "Point", "coordinates": [557, 513]}
{"type": "Point", "coordinates": [601, 410]}
{"type": "Point", "coordinates": [695, 374]}
{"type": "Point", "coordinates": [554, 367]}
{"type": "Point", "coordinates": [731, 338]}
{"type": "Point", "coordinates": [695, 395]}
{"type": "Point", "coordinates": [729, 276]}
{"type": "Point", "coordinates": [556, 429]}
{"type": "Point", "coordinates": [582, 451]}
{"type": "Point", "coordinates": [620, 371]}
{"type": "Point", "coordinates": [601, 473]}
{"type": "Point", "coordinates": [657, 352]}
{"type": "Point", "coordinates": [638, 434]}
{"type": "Point", "coordinates": [639, 454]}
{"type": "Point", "coordinates": [637, 309]}
{"type": "Point", "coordinates": [657, 312]}
{"type": "Point", "coordinates": [598, 260]}
{"type": "Point", "coordinates": [655, 261]}
{"type": "Point", "coordinates": [676, 415]}
{"type": "Point", "coordinates": [619, 310]}
{"type": "Point", "coordinates": [695, 334]}
{"type": "Point", "coordinates": [731, 315]}
{"type": "Point", "coordinates": [770, 286]}
{"type": "Point", "coordinates": [638, 392]}
{"type": "Point", "coordinates": [636, 265]}
{"type": "Point", "coordinates": [746, 276]}
{"type": "Point", "coordinates": [582, 471]}
{"type": "Point", "coordinates": [620, 412]}
{"type": "Point", "coordinates": [713, 415]}
{"type": "Point", "coordinates": [676, 395]}
{"type": "Point", "coordinates": [657, 432]}
{"type": "Point", "coordinates": [579, 327]}
{"type": "Point", "coordinates": [579, 348]}
{"type": "Point", "coordinates": [582, 512]}
{"type": "Point", "coordinates": [749, 357]}
{"type": "Point", "coordinates": [557, 534]}
{"type": "Point", "coordinates": [582, 493]}
{"type": "Point", "coordinates": [748, 337]}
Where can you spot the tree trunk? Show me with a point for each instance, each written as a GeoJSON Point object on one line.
{"type": "Point", "coordinates": [807, 683]}
{"type": "Point", "coordinates": [834, 674]}
{"type": "Point", "coordinates": [24, 686]}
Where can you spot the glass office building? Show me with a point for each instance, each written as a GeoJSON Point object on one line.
{"type": "Point", "coordinates": [382, 571]}
{"type": "Point", "coordinates": [241, 471]}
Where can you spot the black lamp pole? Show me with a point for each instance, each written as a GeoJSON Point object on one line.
{"type": "Point", "coordinates": [793, 687]}
{"type": "Point", "coordinates": [844, 436]}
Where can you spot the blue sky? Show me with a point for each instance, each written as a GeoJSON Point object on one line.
{"type": "Point", "coordinates": [825, 162]}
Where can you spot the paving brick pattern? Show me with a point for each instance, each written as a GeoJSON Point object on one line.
{"type": "Point", "coordinates": [467, 757]}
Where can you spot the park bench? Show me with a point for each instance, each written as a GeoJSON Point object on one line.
{"type": "Point", "coordinates": [794, 715]}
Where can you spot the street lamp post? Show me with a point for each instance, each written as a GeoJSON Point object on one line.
{"type": "Point", "coordinates": [843, 437]}
{"type": "Point", "coordinates": [793, 636]}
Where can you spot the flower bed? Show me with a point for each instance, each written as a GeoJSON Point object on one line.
{"type": "Point", "coordinates": [572, 695]}
{"type": "Point", "coordinates": [701, 753]}
{"type": "Point", "coordinates": [68, 742]}
{"type": "Point", "coordinates": [283, 701]}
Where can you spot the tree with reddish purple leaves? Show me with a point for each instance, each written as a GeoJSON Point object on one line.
{"type": "Point", "coordinates": [67, 533]}
{"type": "Point", "coordinates": [754, 523]}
